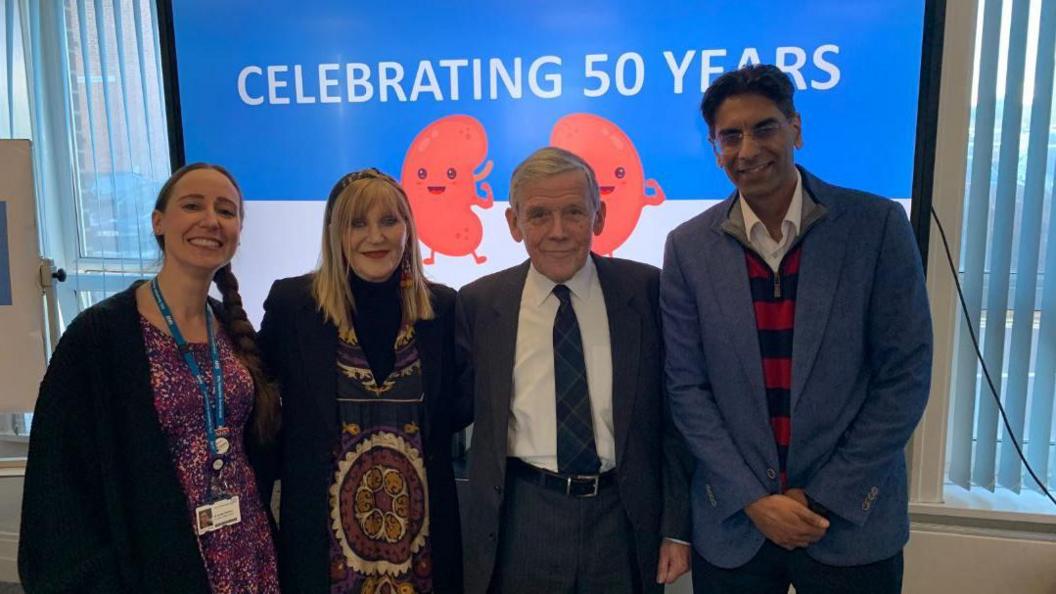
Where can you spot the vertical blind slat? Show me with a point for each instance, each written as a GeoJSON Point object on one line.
{"type": "Point", "coordinates": [1044, 386]}
{"type": "Point", "coordinates": [127, 195]}
{"type": "Point", "coordinates": [137, 16]}
{"type": "Point", "coordinates": [1000, 244]}
{"type": "Point", "coordinates": [1010, 468]}
{"type": "Point", "coordinates": [106, 69]}
{"type": "Point", "coordinates": [973, 246]}
{"type": "Point", "coordinates": [159, 87]}
{"type": "Point", "coordinates": [140, 191]}
{"type": "Point", "coordinates": [9, 68]}
{"type": "Point", "coordinates": [83, 58]}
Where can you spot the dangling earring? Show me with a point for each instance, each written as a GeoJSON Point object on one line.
{"type": "Point", "coordinates": [406, 276]}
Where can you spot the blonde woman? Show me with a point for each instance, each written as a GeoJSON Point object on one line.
{"type": "Point", "coordinates": [363, 349]}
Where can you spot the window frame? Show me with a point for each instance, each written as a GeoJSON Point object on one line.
{"type": "Point", "coordinates": [932, 498]}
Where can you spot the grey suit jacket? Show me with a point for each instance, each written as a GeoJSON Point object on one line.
{"type": "Point", "coordinates": [651, 461]}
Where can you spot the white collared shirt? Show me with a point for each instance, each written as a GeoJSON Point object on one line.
{"type": "Point", "coordinates": [532, 434]}
{"type": "Point", "coordinates": [773, 251]}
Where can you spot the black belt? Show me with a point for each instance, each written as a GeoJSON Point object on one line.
{"type": "Point", "coordinates": [572, 485]}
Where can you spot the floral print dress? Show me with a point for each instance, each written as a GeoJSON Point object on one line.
{"type": "Point", "coordinates": [240, 558]}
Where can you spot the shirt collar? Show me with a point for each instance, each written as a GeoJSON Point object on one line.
{"type": "Point", "coordinates": [537, 287]}
{"type": "Point", "coordinates": [794, 214]}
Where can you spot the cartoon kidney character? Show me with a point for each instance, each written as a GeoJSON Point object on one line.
{"type": "Point", "coordinates": [618, 168]}
{"type": "Point", "coordinates": [441, 185]}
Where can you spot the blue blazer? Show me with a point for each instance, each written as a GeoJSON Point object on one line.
{"type": "Point", "coordinates": [861, 371]}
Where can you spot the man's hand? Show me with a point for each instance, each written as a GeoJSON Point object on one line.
{"type": "Point", "coordinates": [674, 561]}
{"type": "Point", "coordinates": [799, 495]}
{"type": "Point", "coordinates": [787, 522]}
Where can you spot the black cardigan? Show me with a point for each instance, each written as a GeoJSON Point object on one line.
{"type": "Point", "coordinates": [102, 508]}
{"type": "Point", "coordinates": [301, 350]}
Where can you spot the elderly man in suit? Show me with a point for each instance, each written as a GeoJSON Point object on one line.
{"type": "Point", "coordinates": [577, 479]}
{"type": "Point", "coordinates": [799, 356]}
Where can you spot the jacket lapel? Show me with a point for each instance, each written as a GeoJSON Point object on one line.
{"type": "Point", "coordinates": [317, 342]}
{"type": "Point", "coordinates": [729, 282]}
{"type": "Point", "coordinates": [427, 338]}
{"type": "Point", "coordinates": [625, 328]}
{"type": "Point", "coordinates": [502, 342]}
{"type": "Point", "coordinates": [819, 273]}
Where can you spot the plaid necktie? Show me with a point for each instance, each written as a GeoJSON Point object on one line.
{"type": "Point", "coordinates": [576, 452]}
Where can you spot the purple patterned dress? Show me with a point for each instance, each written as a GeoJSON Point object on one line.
{"type": "Point", "coordinates": [239, 558]}
{"type": "Point", "coordinates": [379, 504]}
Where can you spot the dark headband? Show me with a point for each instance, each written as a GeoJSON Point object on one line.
{"type": "Point", "coordinates": [348, 178]}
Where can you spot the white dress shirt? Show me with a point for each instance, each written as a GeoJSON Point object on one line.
{"type": "Point", "coordinates": [770, 249]}
{"type": "Point", "coordinates": [532, 433]}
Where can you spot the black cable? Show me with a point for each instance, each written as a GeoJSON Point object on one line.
{"type": "Point", "coordinates": [982, 363]}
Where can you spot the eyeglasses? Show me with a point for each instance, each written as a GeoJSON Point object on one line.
{"type": "Point", "coordinates": [729, 141]}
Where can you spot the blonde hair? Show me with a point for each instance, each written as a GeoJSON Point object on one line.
{"type": "Point", "coordinates": [352, 198]}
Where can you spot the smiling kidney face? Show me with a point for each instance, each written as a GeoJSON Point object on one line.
{"type": "Point", "coordinates": [438, 176]}
{"type": "Point", "coordinates": [621, 179]}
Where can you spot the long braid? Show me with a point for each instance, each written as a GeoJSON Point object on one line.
{"type": "Point", "coordinates": [244, 337]}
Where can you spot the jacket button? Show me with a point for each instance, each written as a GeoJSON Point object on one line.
{"type": "Point", "coordinates": [491, 536]}
{"type": "Point", "coordinates": [498, 489]}
{"type": "Point", "coordinates": [771, 473]}
{"type": "Point", "coordinates": [873, 492]}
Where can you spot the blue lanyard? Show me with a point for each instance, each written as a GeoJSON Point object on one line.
{"type": "Point", "coordinates": [214, 410]}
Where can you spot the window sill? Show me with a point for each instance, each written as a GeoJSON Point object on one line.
{"type": "Point", "coordinates": [1003, 510]}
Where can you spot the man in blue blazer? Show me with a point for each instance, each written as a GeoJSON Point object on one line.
{"type": "Point", "coordinates": [798, 342]}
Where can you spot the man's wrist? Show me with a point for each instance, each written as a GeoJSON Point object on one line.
{"type": "Point", "coordinates": [675, 540]}
{"type": "Point", "coordinates": [816, 507]}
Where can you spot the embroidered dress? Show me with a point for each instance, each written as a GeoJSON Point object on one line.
{"type": "Point", "coordinates": [379, 510]}
{"type": "Point", "coordinates": [239, 559]}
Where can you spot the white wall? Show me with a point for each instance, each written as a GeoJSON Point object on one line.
{"type": "Point", "coordinates": [959, 560]}
{"type": "Point", "coordinates": [10, 514]}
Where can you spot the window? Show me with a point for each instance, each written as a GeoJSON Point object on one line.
{"type": "Point", "coordinates": [102, 140]}
{"type": "Point", "coordinates": [82, 79]}
{"type": "Point", "coordinates": [117, 129]}
{"type": "Point", "coordinates": [14, 92]}
{"type": "Point", "coordinates": [1007, 266]}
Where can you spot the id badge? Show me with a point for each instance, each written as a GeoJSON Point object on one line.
{"type": "Point", "coordinates": [218, 514]}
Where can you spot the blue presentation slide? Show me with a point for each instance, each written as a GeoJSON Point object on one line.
{"type": "Point", "coordinates": [448, 97]}
{"type": "Point", "coordinates": [290, 95]}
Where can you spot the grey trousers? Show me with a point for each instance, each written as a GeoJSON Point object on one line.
{"type": "Point", "coordinates": [550, 543]}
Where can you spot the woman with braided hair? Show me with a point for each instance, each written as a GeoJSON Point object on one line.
{"type": "Point", "coordinates": [153, 426]}
{"type": "Point", "coordinates": [363, 349]}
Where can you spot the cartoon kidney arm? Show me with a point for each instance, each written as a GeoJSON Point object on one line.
{"type": "Point", "coordinates": [488, 199]}
{"type": "Point", "coordinates": [657, 196]}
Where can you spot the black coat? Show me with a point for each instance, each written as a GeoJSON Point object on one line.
{"type": "Point", "coordinates": [102, 509]}
{"type": "Point", "coordinates": [300, 347]}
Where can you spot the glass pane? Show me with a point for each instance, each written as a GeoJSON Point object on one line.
{"type": "Point", "coordinates": [1032, 219]}
{"type": "Point", "coordinates": [118, 126]}
{"type": "Point", "coordinates": [14, 94]}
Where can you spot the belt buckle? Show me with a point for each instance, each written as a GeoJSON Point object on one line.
{"type": "Point", "coordinates": [593, 478]}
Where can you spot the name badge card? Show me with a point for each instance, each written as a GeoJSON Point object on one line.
{"type": "Point", "coordinates": [215, 516]}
